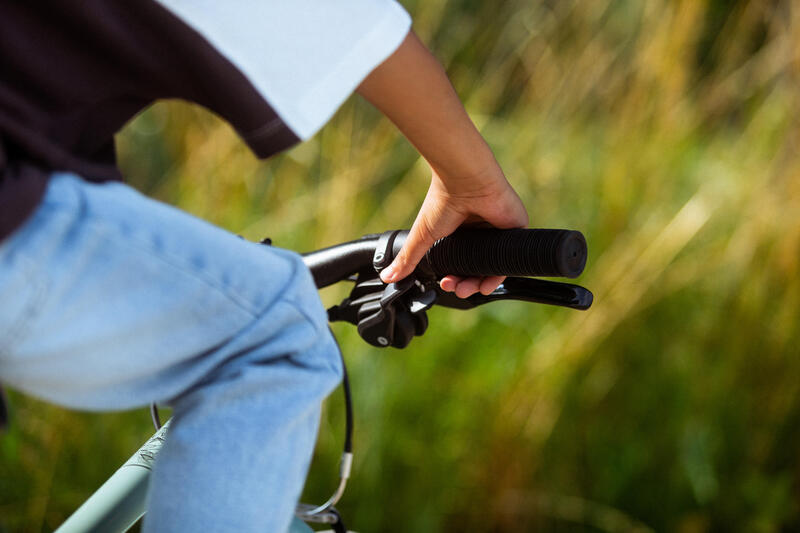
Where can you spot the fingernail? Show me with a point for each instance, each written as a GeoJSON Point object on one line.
{"type": "Point", "coordinates": [388, 274]}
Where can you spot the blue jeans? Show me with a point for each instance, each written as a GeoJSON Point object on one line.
{"type": "Point", "coordinates": [112, 301]}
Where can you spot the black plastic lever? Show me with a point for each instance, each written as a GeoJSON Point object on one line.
{"type": "Point", "coordinates": [524, 289]}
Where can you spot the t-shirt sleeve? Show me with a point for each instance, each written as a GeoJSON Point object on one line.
{"type": "Point", "coordinates": [305, 57]}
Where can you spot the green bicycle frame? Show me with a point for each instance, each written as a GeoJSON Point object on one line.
{"type": "Point", "coordinates": [120, 501]}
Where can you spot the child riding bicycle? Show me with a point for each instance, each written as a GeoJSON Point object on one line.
{"type": "Point", "coordinates": [112, 300]}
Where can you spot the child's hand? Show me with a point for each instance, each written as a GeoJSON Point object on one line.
{"type": "Point", "coordinates": [450, 203]}
{"type": "Point", "coordinates": [467, 185]}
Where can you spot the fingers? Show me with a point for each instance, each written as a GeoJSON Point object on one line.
{"type": "Point", "coordinates": [418, 242]}
{"type": "Point", "coordinates": [490, 283]}
{"type": "Point", "coordinates": [449, 283]}
{"type": "Point", "coordinates": [468, 287]}
{"type": "Point", "coordinates": [442, 212]}
{"type": "Point", "coordinates": [465, 287]}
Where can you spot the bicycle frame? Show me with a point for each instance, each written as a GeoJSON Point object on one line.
{"type": "Point", "coordinates": [120, 502]}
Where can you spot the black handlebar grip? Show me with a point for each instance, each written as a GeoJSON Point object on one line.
{"type": "Point", "coordinates": [509, 252]}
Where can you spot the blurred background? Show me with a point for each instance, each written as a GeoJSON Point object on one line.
{"type": "Point", "coordinates": [667, 132]}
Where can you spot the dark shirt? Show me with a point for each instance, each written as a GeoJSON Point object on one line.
{"type": "Point", "coordinates": [72, 73]}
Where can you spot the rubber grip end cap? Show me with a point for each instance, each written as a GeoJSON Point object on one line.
{"type": "Point", "coordinates": [571, 254]}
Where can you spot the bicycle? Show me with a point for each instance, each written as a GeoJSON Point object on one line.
{"type": "Point", "coordinates": [385, 315]}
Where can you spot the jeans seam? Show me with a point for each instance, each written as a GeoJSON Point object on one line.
{"type": "Point", "coordinates": [179, 263]}
{"type": "Point", "coordinates": [33, 306]}
{"type": "Point", "coordinates": [295, 274]}
{"type": "Point", "coordinates": [104, 229]}
{"type": "Point", "coordinates": [96, 223]}
{"type": "Point", "coordinates": [319, 330]}
{"type": "Point", "coordinates": [299, 309]}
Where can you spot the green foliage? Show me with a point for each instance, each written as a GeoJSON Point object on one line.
{"type": "Point", "coordinates": [664, 130]}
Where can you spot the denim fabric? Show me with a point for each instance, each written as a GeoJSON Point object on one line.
{"type": "Point", "coordinates": [111, 301]}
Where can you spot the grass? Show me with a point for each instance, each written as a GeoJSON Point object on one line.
{"type": "Point", "coordinates": [667, 132]}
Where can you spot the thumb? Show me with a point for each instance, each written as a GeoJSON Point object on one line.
{"type": "Point", "coordinates": [419, 240]}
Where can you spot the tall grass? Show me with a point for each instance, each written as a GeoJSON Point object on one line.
{"type": "Point", "coordinates": [666, 131]}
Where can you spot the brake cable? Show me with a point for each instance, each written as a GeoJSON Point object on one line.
{"type": "Point", "coordinates": [327, 513]}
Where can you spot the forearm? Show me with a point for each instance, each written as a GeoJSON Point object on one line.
{"type": "Point", "coordinates": [413, 91]}
{"type": "Point", "coordinates": [467, 184]}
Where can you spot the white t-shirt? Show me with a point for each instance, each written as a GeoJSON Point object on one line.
{"type": "Point", "coordinates": [305, 57]}
{"type": "Point", "coordinates": [73, 72]}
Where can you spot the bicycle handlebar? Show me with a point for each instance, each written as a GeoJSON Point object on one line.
{"type": "Point", "coordinates": [511, 252]}
{"type": "Point", "coordinates": [467, 252]}
{"type": "Point", "coordinates": [336, 263]}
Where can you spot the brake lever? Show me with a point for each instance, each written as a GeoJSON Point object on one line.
{"type": "Point", "coordinates": [526, 290]}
